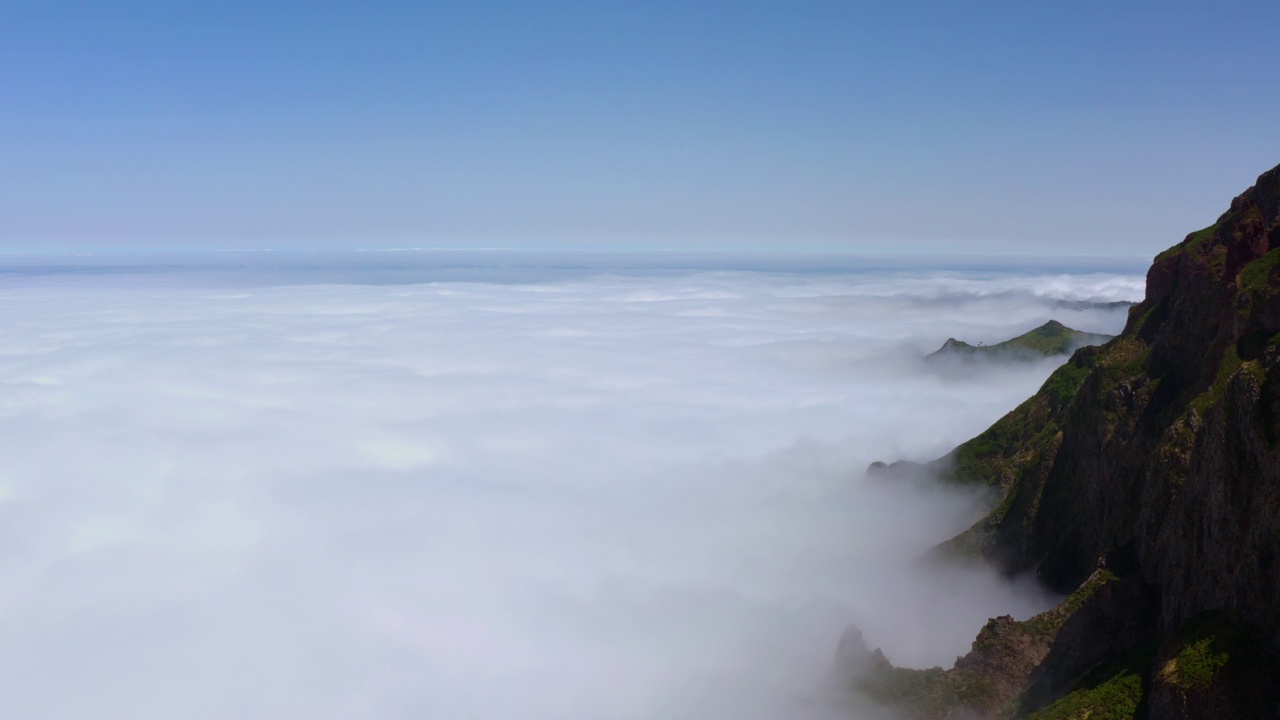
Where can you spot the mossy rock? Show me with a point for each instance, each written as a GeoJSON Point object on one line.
{"type": "Point", "coordinates": [1113, 694]}
{"type": "Point", "coordinates": [1211, 646]}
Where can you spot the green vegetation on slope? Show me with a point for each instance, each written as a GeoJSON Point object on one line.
{"type": "Point", "coordinates": [1211, 645]}
{"type": "Point", "coordinates": [1052, 338]}
{"type": "Point", "coordinates": [1000, 453]}
{"type": "Point", "coordinates": [1194, 242]}
{"type": "Point", "coordinates": [1113, 694]}
{"type": "Point", "coordinates": [1256, 276]}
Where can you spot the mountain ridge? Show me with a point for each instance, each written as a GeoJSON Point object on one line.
{"type": "Point", "coordinates": [1142, 481]}
{"type": "Point", "coordinates": [1051, 338]}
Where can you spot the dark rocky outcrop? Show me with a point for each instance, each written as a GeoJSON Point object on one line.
{"type": "Point", "coordinates": [1143, 480]}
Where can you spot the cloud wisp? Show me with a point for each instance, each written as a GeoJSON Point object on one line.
{"type": "Point", "coordinates": [600, 497]}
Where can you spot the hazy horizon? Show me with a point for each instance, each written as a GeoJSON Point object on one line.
{"type": "Point", "coordinates": [416, 264]}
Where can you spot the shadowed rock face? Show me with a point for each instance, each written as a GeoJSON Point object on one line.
{"type": "Point", "coordinates": [1147, 473]}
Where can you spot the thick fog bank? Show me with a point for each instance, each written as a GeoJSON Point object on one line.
{"type": "Point", "coordinates": [604, 497]}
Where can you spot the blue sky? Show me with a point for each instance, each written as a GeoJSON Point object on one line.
{"type": "Point", "coordinates": [1053, 128]}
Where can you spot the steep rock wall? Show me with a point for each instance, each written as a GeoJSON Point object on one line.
{"type": "Point", "coordinates": [1156, 457]}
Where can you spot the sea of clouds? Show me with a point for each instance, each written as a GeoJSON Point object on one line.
{"type": "Point", "coordinates": [583, 495]}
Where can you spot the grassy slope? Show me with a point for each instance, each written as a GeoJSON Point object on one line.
{"type": "Point", "coordinates": [1052, 338]}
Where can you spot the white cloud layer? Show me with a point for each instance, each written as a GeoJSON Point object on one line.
{"type": "Point", "coordinates": [598, 497]}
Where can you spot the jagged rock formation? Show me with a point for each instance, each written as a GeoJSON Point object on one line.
{"type": "Point", "coordinates": [1143, 479]}
{"type": "Point", "coordinates": [1051, 338]}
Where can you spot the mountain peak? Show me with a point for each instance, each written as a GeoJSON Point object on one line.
{"type": "Point", "coordinates": [1051, 338]}
{"type": "Point", "coordinates": [1143, 482]}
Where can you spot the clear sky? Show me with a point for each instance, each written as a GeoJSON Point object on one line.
{"type": "Point", "coordinates": [1037, 127]}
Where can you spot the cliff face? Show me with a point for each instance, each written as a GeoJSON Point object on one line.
{"type": "Point", "coordinates": [1144, 479]}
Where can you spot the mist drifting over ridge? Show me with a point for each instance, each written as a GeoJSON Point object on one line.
{"type": "Point", "coordinates": [567, 495]}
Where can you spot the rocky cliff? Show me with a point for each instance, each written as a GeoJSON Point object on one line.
{"type": "Point", "coordinates": [1142, 481]}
